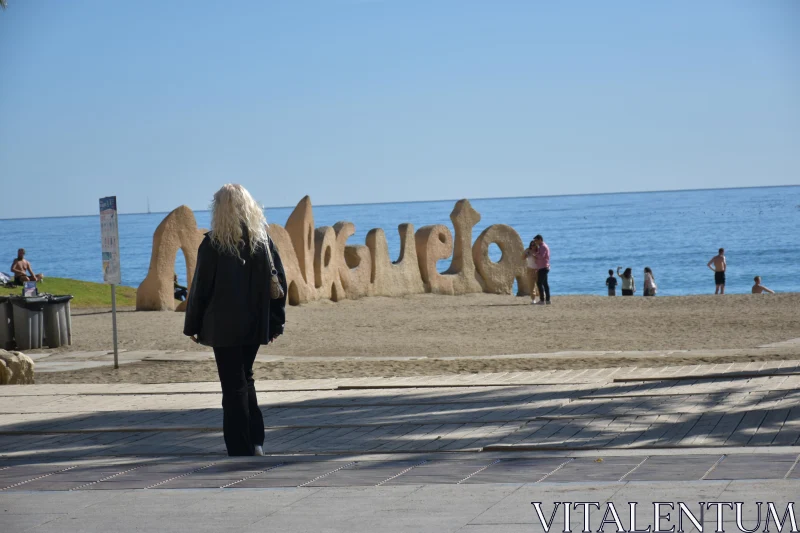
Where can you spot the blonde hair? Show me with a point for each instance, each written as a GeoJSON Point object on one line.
{"type": "Point", "coordinates": [232, 210]}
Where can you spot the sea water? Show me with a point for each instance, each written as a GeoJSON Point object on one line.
{"type": "Point", "coordinates": [674, 233]}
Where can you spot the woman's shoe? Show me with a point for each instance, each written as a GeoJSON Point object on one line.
{"type": "Point", "coordinates": [259, 451]}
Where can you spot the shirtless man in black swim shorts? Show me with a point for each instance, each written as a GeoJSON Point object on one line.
{"type": "Point", "coordinates": [719, 268]}
{"type": "Point", "coordinates": [22, 270]}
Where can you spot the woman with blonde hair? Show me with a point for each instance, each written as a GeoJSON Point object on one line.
{"type": "Point", "coordinates": [230, 308]}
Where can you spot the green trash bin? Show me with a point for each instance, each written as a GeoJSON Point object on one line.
{"type": "Point", "coordinates": [28, 316]}
{"type": "Point", "coordinates": [57, 321]}
{"type": "Point", "coordinates": [6, 324]}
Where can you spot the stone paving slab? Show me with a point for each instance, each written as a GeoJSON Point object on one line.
{"type": "Point", "coordinates": [674, 469]}
{"type": "Point", "coordinates": [519, 470]}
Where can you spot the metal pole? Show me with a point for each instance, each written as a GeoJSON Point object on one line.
{"type": "Point", "coordinates": [114, 322]}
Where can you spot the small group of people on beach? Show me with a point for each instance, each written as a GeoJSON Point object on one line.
{"type": "Point", "coordinates": [537, 259]}
{"type": "Point", "coordinates": [719, 265]}
{"type": "Point", "coordinates": [629, 283]}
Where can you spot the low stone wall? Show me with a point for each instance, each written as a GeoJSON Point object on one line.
{"type": "Point", "coordinates": [15, 368]}
{"type": "Point", "coordinates": [319, 263]}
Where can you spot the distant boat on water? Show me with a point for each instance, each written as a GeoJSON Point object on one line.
{"type": "Point", "coordinates": [148, 206]}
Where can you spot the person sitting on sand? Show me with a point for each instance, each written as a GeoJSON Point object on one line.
{"type": "Point", "coordinates": [719, 268]}
{"type": "Point", "coordinates": [180, 291]}
{"type": "Point", "coordinates": [758, 288]}
{"type": "Point", "coordinates": [611, 283]}
{"type": "Point", "coordinates": [650, 287]}
{"type": "Point", "coordinates": [628, 283]}
{"type": "Point", "coordinates": [530, 262]}
{"type": "Point", "coordinates": [22, 270]}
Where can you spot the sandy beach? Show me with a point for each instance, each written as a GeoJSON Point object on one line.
{"type": "Point", "coordinates": [469, 327]}
{"type": "Point", "coordinates": [482, 324]}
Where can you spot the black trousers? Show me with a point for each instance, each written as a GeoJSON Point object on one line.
{"type": "Point", "coordinates": [544, 286]}
{"type": "Point", "coordinates": [242, 421]}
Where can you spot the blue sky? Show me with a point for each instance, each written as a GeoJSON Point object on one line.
{"type": "Point", "coordinates": [373, 101]}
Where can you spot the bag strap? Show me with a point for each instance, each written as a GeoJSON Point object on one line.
{"type": "Point", "coordinates": [270, 262]}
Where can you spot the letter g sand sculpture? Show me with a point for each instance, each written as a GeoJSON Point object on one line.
{"type": "Point", "coordinates": [319, 263]}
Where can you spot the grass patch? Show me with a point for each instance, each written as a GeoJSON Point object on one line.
{"type": "Point", "coordinates": [86, 293]}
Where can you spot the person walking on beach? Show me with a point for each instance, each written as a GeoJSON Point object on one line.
{"type": "Point", "coordinates": [650, 287]}
{"type": "Point", "coordinates": [628, 283]}
{"type": "Point", "coordinates": [758, 288]}
{"type": "Point", "coordinates": [530, 262]}
{"type": "Point", "coordinates": [720, 265]}
{"type": "Point", "coordinates": [611, 283]}
{"type": "Point", "coordinates": [230, 309]}
{"type": "Point", "coordinates": [542, 270]}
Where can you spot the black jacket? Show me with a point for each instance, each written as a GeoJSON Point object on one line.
{"type": "Point", "coordinates": [229, 302]}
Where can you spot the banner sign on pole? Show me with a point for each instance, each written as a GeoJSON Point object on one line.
{"type": "Point", "coordinates": [109, 233]}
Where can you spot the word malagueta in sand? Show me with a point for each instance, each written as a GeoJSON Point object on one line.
{"type": "Point", "coordinates": [319, 263]}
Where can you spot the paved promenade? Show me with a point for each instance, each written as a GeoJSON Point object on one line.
{"type": "Point", "coordinates": [441, 453]}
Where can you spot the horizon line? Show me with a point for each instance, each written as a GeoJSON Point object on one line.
{"type": "Point", "coordinates": [443, 200]}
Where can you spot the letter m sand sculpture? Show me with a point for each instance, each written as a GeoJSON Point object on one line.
{"type": "Point", "coordinates": [109, 234]}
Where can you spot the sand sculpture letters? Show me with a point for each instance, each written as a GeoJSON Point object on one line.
{"type": "Point", "coordinates": [319, 263]}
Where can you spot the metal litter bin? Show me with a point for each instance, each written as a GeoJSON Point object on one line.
{"type": "Point", "coordinates": [6, 324]}
{"type": "Point", "coordinates": [57, 321]}
{"type": "Point", "coordinates": [28, 321]}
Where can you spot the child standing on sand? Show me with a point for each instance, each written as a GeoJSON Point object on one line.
{"type": "Point", "coordinates": [611, 283]}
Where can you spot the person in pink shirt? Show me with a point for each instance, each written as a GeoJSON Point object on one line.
{"type": "Point", "coordinates": [542, 270]}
